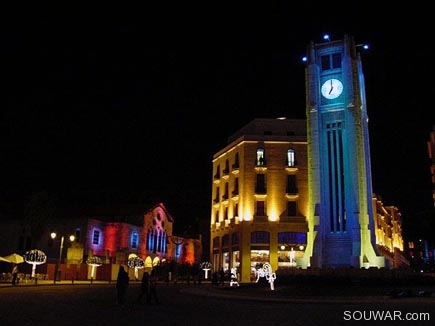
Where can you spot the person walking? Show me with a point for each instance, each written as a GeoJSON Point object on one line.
{"type": "Point", "coordinates": [15, 275]}
{"type": "Point", "coordinates": [144, 288]}
{"type": "Point", "coordinates": [122, 283]}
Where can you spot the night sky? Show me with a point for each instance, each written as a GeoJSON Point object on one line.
{"type": "Point", "coordinates": [129, 107]}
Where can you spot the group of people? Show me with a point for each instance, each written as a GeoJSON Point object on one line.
{"type": "Point", "coordinates": [147, 289]}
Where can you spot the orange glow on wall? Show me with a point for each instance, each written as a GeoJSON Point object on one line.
{"type": "Point", "coordinates": [189, 252]}
{"type": "Point", "coordinates": [111, 234]}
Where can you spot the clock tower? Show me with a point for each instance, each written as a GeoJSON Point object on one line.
{"type": "Point", "coordinates": [341, 215]}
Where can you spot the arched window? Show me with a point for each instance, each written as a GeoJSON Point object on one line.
{"type": "Point", "coordinates": [261, 157]}
{"type": "Point", "coordinates": [291, 157]}
{"type": "Point", "coordinates": [134, 240]}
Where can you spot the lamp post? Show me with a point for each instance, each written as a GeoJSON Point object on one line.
{"type": "Point", "coordinates": [53, 236]}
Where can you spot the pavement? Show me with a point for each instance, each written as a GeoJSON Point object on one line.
{"type": "Point", "coordinates": [247, 292]}
{"type": "Point", "coordinates": [276, 296]}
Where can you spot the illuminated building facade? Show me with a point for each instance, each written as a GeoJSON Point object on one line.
{"type": "Point", "coordinates": [298, 193]}
{"type": "Point", "coordinates": [259, 204]}
{"type": "Point", "coordinates": [150, 237]}
{"type": "Point", "coordinates": [153, 241]}
{"type": "Point", "coordinates": [388, 229]}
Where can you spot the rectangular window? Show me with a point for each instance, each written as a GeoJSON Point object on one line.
{"type": "Point", "coordinates": [227, 167]}
{"type": "Point", "coordinates": [291, 161]}
{"type": "Point", "coordinates": [330, 61]}
{"type": "Point", "coordinates": [291, 208]}
{"type": "Point", "coordinates": [261, 184]}
{"type": "Point", "coordinates": [226, 240]}
{"type": "Point", "coordinates": [218, 172]}
{"type": "Point", "coordinates": [234, 239]}
{"type": "Point", "coordinates": [259, 256]}
{"type": "Point", "coordinates": [215, 242]}
{"type": "Point", "coordinates": [324, 61]}
{"type": "Point", "coordinates": [134, 240]}
{"type": "Point", "coordinates": [260, 237]}
{"type": "Point", "coordinates": [291, 184]}
{"type": "Point", "coordinates": [236, 187]}
{"type": "Point", "coordinates": [292, 238]}
{"type": "Point", "coordinates": [261, 211]}
{"type": "Point", "coordinates": [216, 199]}
{"type": "Point", "coordinates": [96, 237]}
{"type": "Point", "coordinates": [336, 61]}
{"type": "Point", "coordinates": [225, 196]}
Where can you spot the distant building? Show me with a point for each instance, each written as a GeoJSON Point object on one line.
{"type": "Point", "coordinates": [111, 240]}
{"type": "Point", "coordinates": [153, 241]}
{"type": "Point", "coordinates": [388, 230]}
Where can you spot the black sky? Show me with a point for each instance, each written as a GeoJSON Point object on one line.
{"type": "Point", "coordinates": [132, 106]}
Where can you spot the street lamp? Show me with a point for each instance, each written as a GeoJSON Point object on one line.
{"type": "Point", "coordinates": [53, 236]}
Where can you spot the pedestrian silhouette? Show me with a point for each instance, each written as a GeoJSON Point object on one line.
{"type": "Point", "coordinates": [15, 275]}
{"type": "Point", "coordinates": [221, 276]}
{"type": "Point", "coordinates": [215, 278]}
{"type": "Point", "coordinates": [122, 283]}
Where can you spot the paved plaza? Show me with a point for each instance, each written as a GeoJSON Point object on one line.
{"type": "Point", "coordinates": [95, 304]}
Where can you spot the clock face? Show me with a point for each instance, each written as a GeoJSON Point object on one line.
{"type": "Point", "coordinates": [332, 88]}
